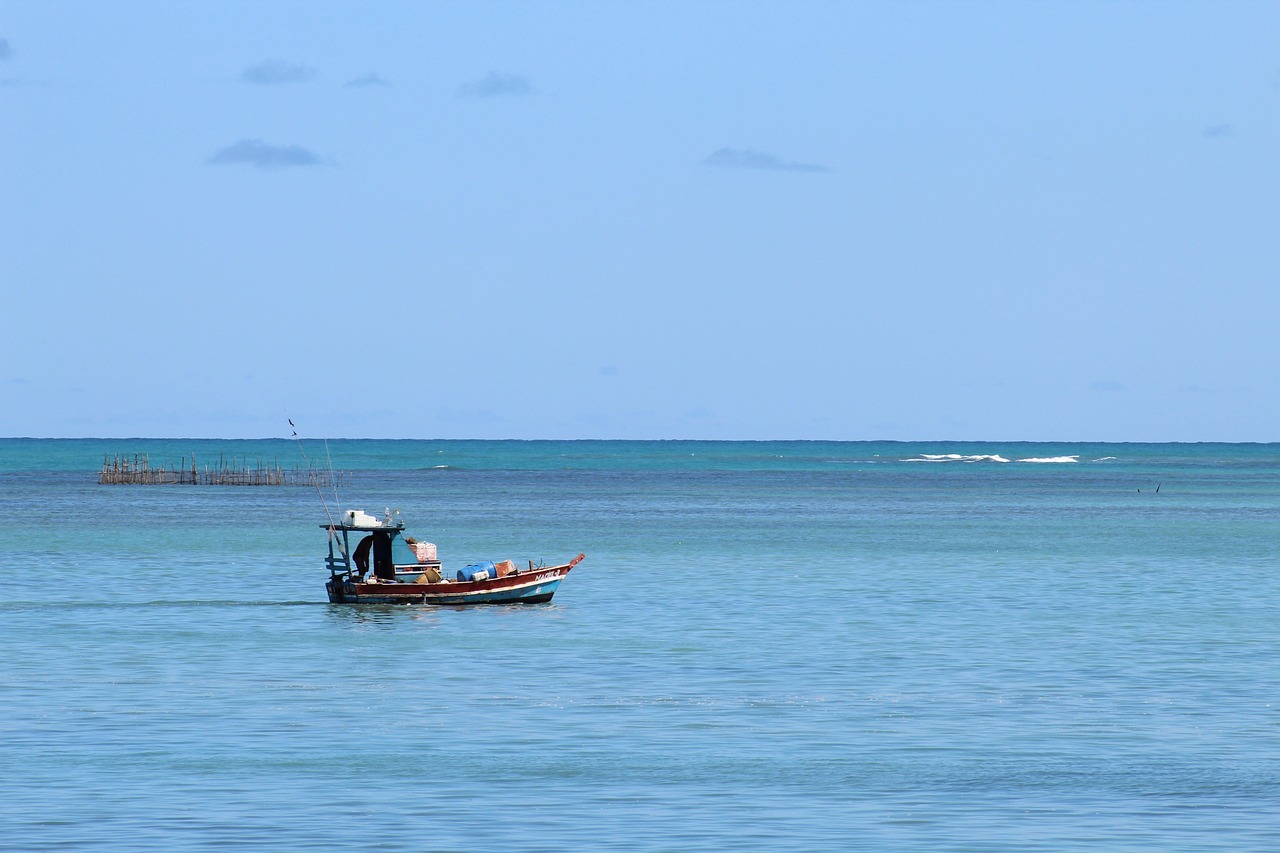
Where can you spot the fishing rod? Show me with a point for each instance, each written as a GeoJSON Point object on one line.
{"type": "Point", "coordinates": [333, 478]}
{"type": "Point", "coordinates": [314, 480]}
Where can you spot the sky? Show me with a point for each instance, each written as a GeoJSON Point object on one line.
{"type": "Point", "coordinates": [1054, 221]}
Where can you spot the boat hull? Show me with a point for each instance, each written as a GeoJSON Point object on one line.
{"type": "Point", "coordinates": [535, 586]}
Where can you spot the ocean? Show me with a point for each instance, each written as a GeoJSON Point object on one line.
{"type": "Point", "coordinates": [770, 646]}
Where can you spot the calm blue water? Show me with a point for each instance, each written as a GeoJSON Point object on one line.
{"type": "Point", "coordinates": [770, 646]}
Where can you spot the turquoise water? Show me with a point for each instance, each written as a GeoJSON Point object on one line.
{"type": "Point", "coordinates": [770, 646]}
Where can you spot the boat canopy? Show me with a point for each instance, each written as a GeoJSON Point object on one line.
{"type": "Point", "coordinates": [358, 536]}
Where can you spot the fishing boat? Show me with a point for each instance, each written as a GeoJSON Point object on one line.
{"type": "Point", "coordinates": [371, 561]}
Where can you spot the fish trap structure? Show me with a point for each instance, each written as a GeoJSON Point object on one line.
{"type": "Point", "coordinates": [137, 470]}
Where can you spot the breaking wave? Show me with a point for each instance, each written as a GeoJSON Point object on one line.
{"type": "Point", "coordinates": [989, 457]}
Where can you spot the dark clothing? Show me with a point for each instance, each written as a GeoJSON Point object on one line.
{"type": "Point", "coordinates": [383, 566]}
{"type": "Point", "coordinates": [361, 554]}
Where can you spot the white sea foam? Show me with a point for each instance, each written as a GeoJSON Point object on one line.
{"type": "Point", "coordinates": [1052, 460]}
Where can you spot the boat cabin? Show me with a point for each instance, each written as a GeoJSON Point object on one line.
{"type": "Point", "coordinates": [361, 544]}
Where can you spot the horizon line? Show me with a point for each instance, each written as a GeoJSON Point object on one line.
{"type": "Point", "coordinates": [690, 440]}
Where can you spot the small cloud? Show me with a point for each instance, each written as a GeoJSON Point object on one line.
{"type": "Point", "coordinates": [367, 81]}
{"type": "Point", "coordinates": [6, 52]}
{"type": "Point", "coordinates": [1107, 385]}
{"type": "Point", "coordinates": [255, 152]}
{"type": "Point", "coordinates": [749, 158]}
{"type": "Point", "coordinates": [273, 71]}
{"type": "Point", "coordinates": [1217, 131]}
{"type": "Point", "coordinates": [496, 85]}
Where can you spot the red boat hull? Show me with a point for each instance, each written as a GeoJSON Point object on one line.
{"type": "Point", "coordinates": [528, 586]}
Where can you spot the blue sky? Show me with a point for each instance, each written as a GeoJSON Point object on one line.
{"type": "Point", "coordinates": [854, 220]}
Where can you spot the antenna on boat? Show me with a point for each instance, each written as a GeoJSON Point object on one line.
{"type": "Point", "coordinates": [323, 503]}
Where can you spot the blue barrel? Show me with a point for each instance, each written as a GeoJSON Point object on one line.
{"type": "Point", "coordinates": [469, 572]}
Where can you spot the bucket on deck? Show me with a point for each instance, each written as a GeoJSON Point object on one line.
{"type": "Point", "coordinates": [431, 575]}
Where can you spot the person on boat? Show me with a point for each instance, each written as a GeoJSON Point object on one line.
{"type": "Point", "coordinates": [361, 555]}
{"type": "Point", "coordinates": [380, 544]}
